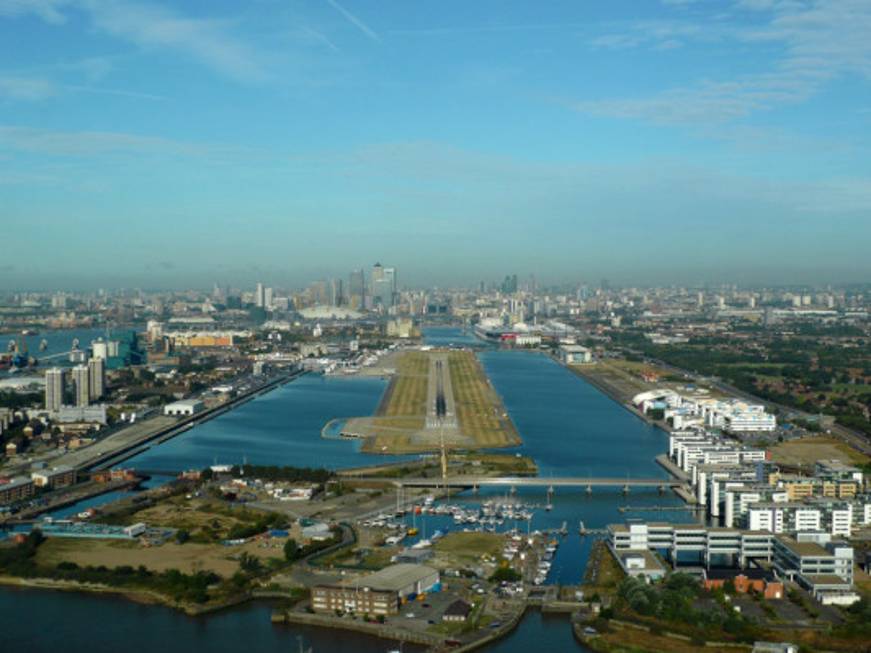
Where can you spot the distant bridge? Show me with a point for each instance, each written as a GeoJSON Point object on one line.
{"type": "Point", "coordinates": [537, 481]}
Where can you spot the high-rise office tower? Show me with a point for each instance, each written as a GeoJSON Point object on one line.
{"type": "Point", "coordinates": [96, 377]}
{"type": "Point", "coordinates": [267, 298]}
{"type": "Point", "coordinates": [82, 385]}
{"type": "Point", "coordinates": [260, 295]}
{"type": "Point", "coordinates": [357, 289]}
{"type": "Point", "coordinates": [336, 292]}
{"type": "Point", "coordinates": [383, 285]}
{"type": "Point", "coordinates": [54, 389]}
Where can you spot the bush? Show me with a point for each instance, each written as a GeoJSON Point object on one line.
{"type": "Point", "coordinates": [506, 574]}
{"type": "Point", "coordinates": [291, 550]}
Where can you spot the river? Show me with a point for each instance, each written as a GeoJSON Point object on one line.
{"type": "Point", "coordinates": [567, 426]}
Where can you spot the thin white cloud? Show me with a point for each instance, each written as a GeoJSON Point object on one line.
{"type": "Point", "coordinates": [309, 35]}
{"type": "Point", "coordinates": [30, 140]}
{"type": "Point", "coordinates": [356, 22]}
{"type": "Point", "coordinates": [47, 10]}
{"type": "Point", "coordinates": [819, 41]}
{"type": "Point", "coordinates": [154, 28]}
{"type": "Point", "coordinates": [25, 88]}
{"type": "Point", "coordinates": [157, 28]}
{"type": "Point", "coordinates": [97, 90]}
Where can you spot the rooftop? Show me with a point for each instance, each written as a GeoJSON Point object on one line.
{"type": "Point", "coordinates": [803, 548]}
{"type": "Point", "coordinates": [394, 577]}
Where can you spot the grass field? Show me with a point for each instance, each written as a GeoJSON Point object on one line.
{"type": "Point", "coordinates": [470, 546]}
{"type": "Point", "coordinates": [806, 451]}
{"type": "Point", "coordinates": [479, 408]}
{"type": "Point", "coordinates": [188, 558]}
{"type": "Point", "coordinates": [399, 423]}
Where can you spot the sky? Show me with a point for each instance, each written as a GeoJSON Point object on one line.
{"type": "Point", "coordinates": [160, 144]}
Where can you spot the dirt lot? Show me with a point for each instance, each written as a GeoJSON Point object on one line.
{"type": "Point", "coordinates": [807, 451]}
{"type": "Point", "coordinates": [189, 557]}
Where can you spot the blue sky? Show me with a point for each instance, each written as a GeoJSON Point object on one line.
{"type": "Point", "coordinates": [166, 144]}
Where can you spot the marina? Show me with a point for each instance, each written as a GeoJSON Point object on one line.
{"type": "Point", "coordinates": [552, 414]}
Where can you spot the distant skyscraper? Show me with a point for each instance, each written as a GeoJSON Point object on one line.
{"type": "Point", "coordinates": [509, 284]}
{"type": "Point", "coordinates": [357, 289]}
{"type": "Point", "coordinates": [96, 377]}
{"type": "Point", "coordinates": [260, 295]}
{"type": "Point", "coordinates": [383, 285]}
{"type": "Point", "coordinates": [82, 385]}
{"type": "Point", "coordinates": [267, 298]}
{"type": "Point", "coordinates": [336, 295]}
{"type": "Point", "coordinates": [54, 389]}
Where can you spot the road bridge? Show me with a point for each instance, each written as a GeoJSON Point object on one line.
{"type": "Point", "coordinates": [537, 481]}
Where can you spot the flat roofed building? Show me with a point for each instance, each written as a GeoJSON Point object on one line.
{"type": "Point", "coordinates": [575, 355]}
{"type": "Point", "coordinates": [15, 489]}
{"type": "Point", "coordinates": [640, 562]}
{"type": "Point", "coordinates": [380, 593]}
{"type": "Point", "coordinates": [53, 478]}
{"type": "Point", "coordinates": [183, 408]}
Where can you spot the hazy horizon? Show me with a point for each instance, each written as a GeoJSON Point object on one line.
{"type": "Point", "coordinates": [171, 145]}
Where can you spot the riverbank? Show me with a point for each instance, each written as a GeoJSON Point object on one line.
{"type": "Point", "coordinates": [110, 459]}
{"type": "Point", "coordinates": [610, 391]}
{"type": "Point", "coordinates": [137, 595]}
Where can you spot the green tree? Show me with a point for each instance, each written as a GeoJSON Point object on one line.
{"type": "Point", "coordinates": [291, 550]}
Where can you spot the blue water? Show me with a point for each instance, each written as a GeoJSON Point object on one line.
{"type": "Point", "coordinates": [282, 427]}
{"type": "Point", "coordinates": [567, 426]}
{"type": "Point", "coordinates": [452, 337]}
{"type": "Point", "coordinates": [58, 341]}
{"type": "Point", "coordinates": [60, 621]}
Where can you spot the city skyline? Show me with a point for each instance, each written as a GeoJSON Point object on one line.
{"type": "Point", "coordinates": [676, 141]}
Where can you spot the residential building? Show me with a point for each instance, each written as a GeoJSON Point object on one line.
{"type": "Point", "coordinates": [96, 377]}
{"type": "Point", "coordinates": [81, 382]}
{"type": "Point", "coordinates": [15, 489]}
{"type": "Point", "coordinates": [54, 389]}
{"type": "Point", "coordinates": [54, 478]}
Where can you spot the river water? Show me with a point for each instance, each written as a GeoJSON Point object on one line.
{"type": "Point", "coordinates": [567, 426]}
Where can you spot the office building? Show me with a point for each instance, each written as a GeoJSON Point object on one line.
{"type": "Point", "coordinates": [383, 286]}
{"type": "Point", "coordinates": [54, 389]}
{"type": "Point", "coordinates": [380, 593]}
{"type": "Point", "coordinates": [336, 293]}
{"type": "Point", "coordinates": [96, 377]}
{"type": "Point", "coordinates": [816, 561]}
{"type": "Point", "coordinates": [260, 296]}
{"type": "Point", "coordinates": [82, 385]}
{"type": "Point", "coordinates": [357, 289]}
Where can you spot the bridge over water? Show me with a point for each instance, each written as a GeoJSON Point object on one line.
{"type": "Point", "coordinates": [538, 481]}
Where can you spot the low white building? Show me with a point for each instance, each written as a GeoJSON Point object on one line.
{"type": "Point", "coordinates": [183, 408]}
{"type": "Point", "coordinates": [575, 355]}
